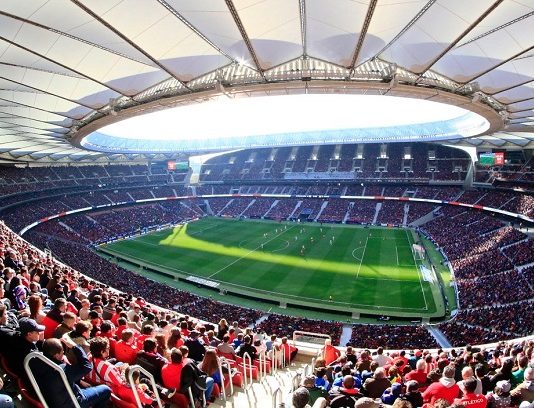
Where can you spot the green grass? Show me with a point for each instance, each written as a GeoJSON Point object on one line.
{"type": "Point", "coordinates": [364, 269]}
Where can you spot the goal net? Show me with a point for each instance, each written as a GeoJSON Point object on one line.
{"type": "Point", "coordinates": [418, 252]}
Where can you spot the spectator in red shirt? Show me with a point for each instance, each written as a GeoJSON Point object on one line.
{"type": "Point", "coordinates": [445, 388]}
{"type": "Point", "coordinates": [470, 398]}
{"type": "Point", "coordinates": [125, 349]}
{"type": "Point", "coordinates": [419, 374]}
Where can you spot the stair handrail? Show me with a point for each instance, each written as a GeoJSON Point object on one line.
{"type": "Point", "coordinates": [246, 357]}
{"type": "Point", "coordinates": [56, 368]}
{"type": "Point", "coordinates": [135, 391]}
{"type": "Point", "coordinates": [225, 363]}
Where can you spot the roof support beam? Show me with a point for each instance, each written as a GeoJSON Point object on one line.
{"type": "Point", "coordinates": [512, 87]}
{"type": "Point", "coordinates": [50, 93]}
{"type": "Point", "coordinates": [493, 30]}
{"type": "Point", "coordinates": [459, 38]}
{"type": "Point", "coordinates": [63, 34]}
{"type": "Point", "coordinates": [244, 35]}
{"type": "Point", "coordinates": [303, 27]}
{"type": "Point", "coordinates": [363, 34]}
{"type": "Point", "coordinates": [130, 42]}
{"type": "Point", "coordinates": [40, 109]}
{"type": "Point", "coordinates": [33, 119]}
{"type": "Point", "coordinates": [61, 65]}
{"type": "Point", "coordinates": [175, 13]}
{"type": "Point", "coordinates": [497, 65]}
{"type": "Point", "coordinates": [522, 110]}
{"type": "Point", "coordinates": [419, 14]}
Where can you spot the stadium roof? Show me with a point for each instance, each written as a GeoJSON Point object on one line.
{"type": "Point", "coordinates": [68, 68]}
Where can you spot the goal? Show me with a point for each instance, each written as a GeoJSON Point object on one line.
{"type": "Point", "coordinates": [418, 252]}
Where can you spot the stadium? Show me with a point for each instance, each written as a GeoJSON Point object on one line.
{"type": "Point", "coordinates": [346, 179]}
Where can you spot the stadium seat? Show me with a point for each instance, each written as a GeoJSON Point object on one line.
{"type": "Point", "coordinates": [29, 395]}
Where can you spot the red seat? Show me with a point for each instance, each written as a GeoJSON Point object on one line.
{"type": "Point", "coordinates": [118, 403]}
{"type": "Point", "coordinates": [245, 370]}
{"type": "Point", "coordinates": [5, 367]}
{"type": "Point", "coordinates": [29, 395]}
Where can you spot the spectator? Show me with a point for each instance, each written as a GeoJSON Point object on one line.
{"type": "Point", "coordinates": [446, 388]}
{"type": "Point", "coordinates": [374, 387]}
{"type": "Point", "coordinates": [103, 371]}
{"type": "Point", "coordinates": [413, 394]}
{"type": "Point", "coordinates": [467, 372]}
{"type": "Point", "coordinates": [419, 374]}
{"type": "Point", "coordinates": [315, 392]}
{"type": "Point", "coordinates": [525, 390]}
{"type": "Point", "coordinates": [150, 359]}
{"type": "Point", "coordinates": [470, 397]}
{"type": "Point", "coordinates": [21, 343]}
{"type": "Point", "coordinates": [346, 395]}
{"type": "Point", "coordinates": [50, 382]}
{"type": "Point", "coordinates": [196, 348]}
{"type": "Point", "coordinates": [500, 397]}
{"type": "Point", "coordinates": [391, 394]}
{"type": "Point", "coordinates": [67, 325]}
{"type": "Point", "coordinates": [247, 347]}
{"type": "Point", "coordinates": [125, 349]}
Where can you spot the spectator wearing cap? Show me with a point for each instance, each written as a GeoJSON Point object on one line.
{"type": "Point", "coordinates": [22, 343]}
{"type": "Point", "coordinates": [196, 348]}
{"type": "Point", "coordinates": [375, 386]}
{"type": "Point", "coordinates": [445, 388]}
{"type": "Point", "coordinates": [470, 398]}
{"type": "Point", "coordinates": [52, 386]}
{"type": "Point", "coordinates": [413, 395]}
{"type": "Point", "coordinates": [525, 390]}
{"type": "Point", "coordinates": [500, 397]}
{"type": "Point", "coordinates": [391, 394]}
{"type": "Point", "coordinates": [315, 392]}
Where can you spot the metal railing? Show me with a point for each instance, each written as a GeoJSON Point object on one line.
{"type": "Point", "coordinates": [53, 366]}
{"type": "Point", "coordinates": [224, 363]}
{"type": "Point", "coordinates": [135, 391]}
{"type": "Point", "coordinates": [247, 369]}
{"type": "Point", "coordinates": [277, 397]}
{"type": "Point", "coordinates": [262, 365]}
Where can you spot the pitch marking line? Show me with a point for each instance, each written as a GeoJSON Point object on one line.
{"type": "Point", "coordinates": [354, 256]}
{"type": "Point", "coordinates": [366, 306]}
{"type": "Point", "coordinates": [249, 252]}
{"type": "Point", "coordinates": [363, 255]}
{"type": "Point", "coordinates": [418, 274]}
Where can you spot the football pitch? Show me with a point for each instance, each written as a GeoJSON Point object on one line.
{"type": "Point", "coordinates": [339, 267]}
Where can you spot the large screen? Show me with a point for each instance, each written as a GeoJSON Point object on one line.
{"type": "Point", "coordinates": [491, 159]}
{"type": "Point", "coordinates": [178, 166]}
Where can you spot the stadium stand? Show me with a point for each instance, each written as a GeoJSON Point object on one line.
{"type": "Point", "coordinates": [492, 263]}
